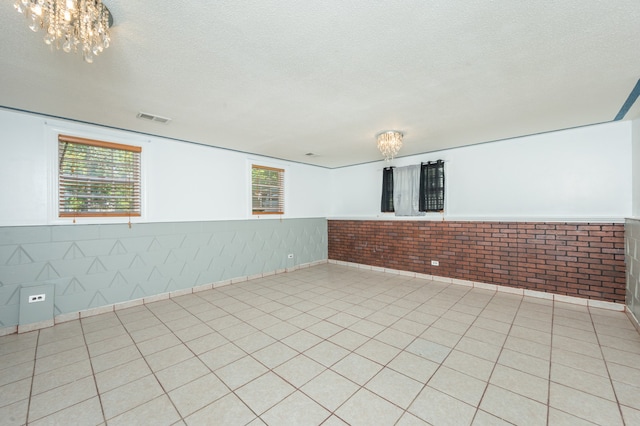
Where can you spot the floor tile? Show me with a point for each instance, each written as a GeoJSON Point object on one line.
{"type": "Point", "coordinates": [60, 376]}
{"type": "Point", "coordinates": [394, 387]}
{"type": "Point", "coordinates": [16, 372]}
{"type": "Point", "coordinates": [100, 347]}
{"type": "Point", "coordinates": [281, 330]}
{"type": "Point", "coordinates": [168, 357]}
{"type": "Point", "coordinates": [526, 363]}
{"type": "Point", "coordinates": [631, 416]}
{"type": "Point", "coordinates": [581, 380]}
{"type": "Point", "coordinates": [441, 336]}
{"type": "Point", "coordinates": [115, 358]}
{"type": "Point", "coordinates": [324, 329]}
{"type": "Point", "coordinates": [326, 353]}
{"type": "Point", "coordinates": [409, 419]}
{"type": "Point", "coordinates": [482, 418]}
{"type": "Point", "coordinates": [240, 372]}
{"type": "Point", "coordinates": [121, 375]}
{"type": "Point", "coordinates": [512, 407]}
{"type": "Point", "coordinates": [438, 408]}
{"type": "Point", "coordinates": [86, 412]}
{"type": "Point", "coordinates": [357, 368]}
{"type": "Point", "coordinates": [15, 391]}
{"type": "Point", "coordinates": [131, 395]}
{"type": "Point", "coordinates": [579, 361]}
{"type": "Point", "coordinates": [301, 340]}
{"type": "Point", "coordinates": [299, 370]}
{"type": "Point", "coordinates": [254, 342]}
{"type": "Point", "coordinates": [330, 389]}
{"type": "Point", "coordinates": [480, 349]}
{"type": "Point", "coordinates": [469, 364]}
{"type": "Point", "coordinates": [366, 408]}
{"type": "Point", "coordinates": [584, 405]}
{"type": "Point", "coordinates": [627, 395]}
{"type": "Point", "coordinates": [158, 344]}
{"type": "Point", "coordinates": [296, 410]}
{"type": "Point", "coordinates": [221, 356]}
{"type": "Point", "coordinates": [390, 341]}
{"type": "Point", "coordinates": [181, 373]}
{"type": "Point", "coordinates": [198, 394]}
{"type": "Point", "coordinates": [521, 383]}
{"type": "Point", "coordinates": [458, 385]}
{"type": "Point", "coordinates": [228, 410]}
{"type": "Point", "coordinates": [60, 346]}
{"type": "Point", "coordinates": [413, 366]}
{"type": "Point", "coordinates": [274, 354]}
{"type": "Point", "coordinates": [429, 350]}
{"type": "Point", "coordinates": [528, 347]}
{"type": "Point", "coordinates": [367, 328]}
{"type": "Point", "coordinates": [15, 413]}
{"type": "Point", "coordinates": [264, 392]}
{"type": "Point", "coordinates": [348, 339]}
{"type": "Point", "coordinates": [560, 418]}
{"type": "Point", "coordinates": [61, 359]}
{"type": "Point", "coordinates": [61, 397]}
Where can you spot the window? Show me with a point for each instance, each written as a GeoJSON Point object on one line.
{"type": "Point", "coordinates": [267, 190]}
{"type": "Point", "coordinates": [431, 192]}
{"type": "Point", "coordinates": [97, 179]}
{"type": "Point", "coordinates": [387, 190]}
{"type": "Point", "coordinates": [432, 186]}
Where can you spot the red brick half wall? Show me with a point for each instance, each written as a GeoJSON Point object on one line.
{"type": "Point", "coordinates": [574, 259]}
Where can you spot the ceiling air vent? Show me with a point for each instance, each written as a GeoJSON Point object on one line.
{"type": "Point", "coordinates": [151, 117]}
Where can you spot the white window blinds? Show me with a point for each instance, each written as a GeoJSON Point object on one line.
{"type": "Point", "coordinates": [267, 190]}
{"type": "Point", "coordinates": [97, 178]}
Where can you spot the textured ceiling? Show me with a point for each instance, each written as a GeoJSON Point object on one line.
{"type": "Point", "coordinates": [285, 78]}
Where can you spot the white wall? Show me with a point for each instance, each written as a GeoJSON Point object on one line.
{"type": "Point", "coordinates": [636, 168]}
{"type": "Point", "coordinates": [579, 174]}
{"type": "Point", "coordinates": [181, 181]}
{"type": "Point", "coordinates": [576, 174]}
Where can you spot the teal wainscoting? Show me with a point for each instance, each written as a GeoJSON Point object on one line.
{"type": "Point", "coordinates": [632, 260]}
{"type": "Point", "coordinates": [99, 265]}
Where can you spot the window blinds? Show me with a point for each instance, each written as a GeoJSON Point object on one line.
{"type": "Point", "coordinates": [267, 190]}
{"type": "Point", "coordinates": [97, 178]}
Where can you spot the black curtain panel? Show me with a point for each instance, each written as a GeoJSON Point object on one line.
{"type": "Point", "coordinates": [387, 190]}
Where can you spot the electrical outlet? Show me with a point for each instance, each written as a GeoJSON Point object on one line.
{"type": "Point", "coordinates": [435, 263]}
{"type": "Point", "coordinates": [36, 298]}
{"type": "Point", "coordinates": [290, 256]}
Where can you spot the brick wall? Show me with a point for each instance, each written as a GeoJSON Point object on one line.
{"type": "Point", "coordinates": [574, 259]}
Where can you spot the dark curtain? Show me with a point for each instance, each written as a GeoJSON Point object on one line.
{"type": "Point", "coordinates": [432, 186]}
{"type": "Point", "coordinates": [387, 190]}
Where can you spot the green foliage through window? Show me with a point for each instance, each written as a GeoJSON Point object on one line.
{"type": "Point", "coordinates": [267, 190]}
{"type": "Point", "coordinates": [98, 178]}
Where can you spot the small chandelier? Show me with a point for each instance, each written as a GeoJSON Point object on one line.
{"type": "Point", "coordinates": [389, 143]}
{"type": "Point", "coordinates": [70, 25]}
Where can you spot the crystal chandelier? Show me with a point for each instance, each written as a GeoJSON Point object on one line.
{"type": "Point", "coordinates": [389, 143]}
{"type": "Point", "coordinates": [70, 25]}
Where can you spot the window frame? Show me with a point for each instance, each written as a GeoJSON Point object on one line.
{"type": "Point", "coordinates": [62, 137]}
{"type": "Point", "coordinates": [427, 187]}
{"type": "Point", "coordinates": [282, 208]}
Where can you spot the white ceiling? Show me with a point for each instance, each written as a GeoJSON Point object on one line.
{"type": "Point", "coordinates": [283, 78]}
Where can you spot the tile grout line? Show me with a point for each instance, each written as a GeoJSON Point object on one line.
{"type": "Point", "coordinates": [495, 363]}
{"type": "Point", "coordinates": [93, 373]}
{"type": "Point", "coordinates": [33, 376]}
{"type": "Point", "coordinates": [606, 365]}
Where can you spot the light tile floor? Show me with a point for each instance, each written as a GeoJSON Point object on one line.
{"type": "Point", "coordinates": [329, 345]}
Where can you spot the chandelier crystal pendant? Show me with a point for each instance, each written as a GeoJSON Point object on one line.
{"type": "Point", "coordinates": [389, 143]}
{"type": "Point", "coordinates": [70, 25]}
